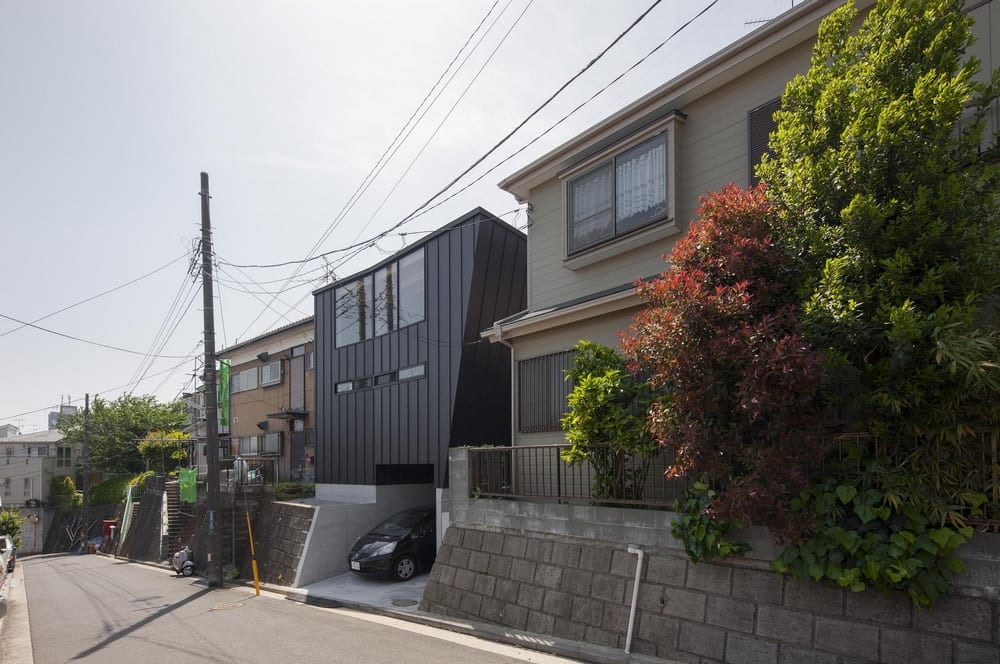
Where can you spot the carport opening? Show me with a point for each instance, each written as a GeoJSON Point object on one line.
{"type": "Point", "coordinates": [403, 473]}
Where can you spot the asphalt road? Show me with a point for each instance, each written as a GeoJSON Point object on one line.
{"type": "Point", "coordinates": [94, 608]}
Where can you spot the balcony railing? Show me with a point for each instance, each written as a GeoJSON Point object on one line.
{"type": "Point", "coordinates": [538, 472]}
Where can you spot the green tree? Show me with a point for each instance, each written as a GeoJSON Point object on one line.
{"type": "Point", "coordinates": [63, 491]}
{"type": "Point", "coordinates": [891, 205]}
{"type": "Point", "coordinates": [11, 523]}
{"type": "Point", "coordinates": [738, 391]}
{"type": "Point", "coordinates": [605, 424]}
{"type": "Point", "coordinates": [164, 451]}
{"type": "Point", "coordinates": [117, 426]}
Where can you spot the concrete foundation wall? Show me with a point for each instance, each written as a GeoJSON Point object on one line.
{"type": "Point", "coordinates": [565, 571]}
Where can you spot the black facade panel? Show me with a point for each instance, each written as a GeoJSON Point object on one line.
{"type": "Point", "coordinates": [464, 392]}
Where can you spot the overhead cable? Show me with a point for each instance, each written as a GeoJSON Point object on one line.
{"type": "Point", "coordinates": [94, 297]}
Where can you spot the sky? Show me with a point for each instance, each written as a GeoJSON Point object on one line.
{"type": "Point", "coordinates": [112, 109]}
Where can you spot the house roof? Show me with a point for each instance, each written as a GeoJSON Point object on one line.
{"type": "Point", "coordinates": [795, 26]}
{"type": "Point", "coordinates": [229, 350]}
{"type": "Point", "coordinates": [464, 219]}
{"type": "Point", "coordinates": [46, 436]}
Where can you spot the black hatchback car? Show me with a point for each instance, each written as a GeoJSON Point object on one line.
{"type": "Point", "coordinates": [399, 547]}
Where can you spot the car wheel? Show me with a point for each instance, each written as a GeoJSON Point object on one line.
{"type": "Point", "coordinates": [187, 570]}
{"type": "Point", "coordinates": [405, 567]}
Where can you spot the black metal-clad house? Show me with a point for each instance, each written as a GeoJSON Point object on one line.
{"type": "Point", "coordinates": [401, 371]}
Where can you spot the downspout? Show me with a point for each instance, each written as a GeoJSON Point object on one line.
{"type": "Point", "coordinates": [498, 332]}
{"type": "Point", "coordinates": [635, 596]}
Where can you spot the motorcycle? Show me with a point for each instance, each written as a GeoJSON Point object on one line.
{"type": "Point", "coordinates": [183, 561]}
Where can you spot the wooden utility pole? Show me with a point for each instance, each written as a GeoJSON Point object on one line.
{"type": "Point", "coordinates": [214, 553]}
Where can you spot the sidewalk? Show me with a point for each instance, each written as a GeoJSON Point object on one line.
{"type": "Point", "coordinates": [348, 591]}
{"type": "Point", "coordinates": [402, 600]}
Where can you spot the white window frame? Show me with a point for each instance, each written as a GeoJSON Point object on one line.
{"type": "Point", "coordinates": [270, 373]}
{"type": "Point", "coordinates": [243, 381]}
{"type": "Point", "coordinates": [249, 445]}
{"type": "Point", "coordinates": [270, 443]}
{"type": "Point", "coordinates": [662, 226]}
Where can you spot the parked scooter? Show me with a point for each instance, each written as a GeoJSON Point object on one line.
{"type": "Point", "coordinates": [183, 561]}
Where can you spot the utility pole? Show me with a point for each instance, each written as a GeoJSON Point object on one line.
{"type": "Point", "coordinates": [86, 470]}
{"type": "Point", "coordinates": [214, 567]}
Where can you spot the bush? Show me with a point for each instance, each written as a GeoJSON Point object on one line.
{"type": "Point", "coordinates": [292, 490]}
{"type": "Point", "coordinates": [64, 494]}
{"type": "Point", "coordinates": [109, 492]}
{"type": "Point", "coordinates": [11, 523]}
{"type": "Point", "coordinates": [738, 392]}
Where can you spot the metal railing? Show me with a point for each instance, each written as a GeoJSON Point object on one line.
{"type": "Point", "coordinates": [538, 472]}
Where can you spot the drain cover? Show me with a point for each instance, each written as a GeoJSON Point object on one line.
{"type": "Point", "coordinates": [225, 607]}
{"type": "Point", "coordinates": [404, 602]}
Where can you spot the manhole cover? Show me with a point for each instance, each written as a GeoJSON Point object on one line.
{"type": "Point", "coordinates": [404, 602]}
{"type": "Point", "coordinates": [227, 606]}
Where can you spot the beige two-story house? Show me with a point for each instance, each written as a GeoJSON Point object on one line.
{"type": "Point", "coordinates": [271, 402]}
{"type": "Point", "coordinates": [605, 207]}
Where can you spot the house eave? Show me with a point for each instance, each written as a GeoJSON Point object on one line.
{"type": "Point", "coordinates": [795, 26]}
{"type": "Point", "coordinates": [541, 321]}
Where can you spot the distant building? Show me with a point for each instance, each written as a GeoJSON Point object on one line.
{"type": "Point", "coordinates": [56, 416]}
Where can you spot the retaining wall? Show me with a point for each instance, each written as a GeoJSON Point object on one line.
{"type": "Point", "coordinates": [565, 571]}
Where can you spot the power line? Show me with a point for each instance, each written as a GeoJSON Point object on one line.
{"type": "Point", "coordinates": [94, 297]}
{"type": "Point", "coordinates": [380, 164]}
{"type": "Point", "coordinates": [419, 212]}
{"type": "Point", "coordinates": [166, 338]}
{"type": "Point", "coordinates": [427, 207]}
{"type": "Point", "coordinates": [92, 343]}
{"type": "Point", "coordinates": [555, 94]}
{"type": "Point", "coordinates": [161, 333]}
{"type": "Point", "coordinates": [447, 115]}
{"type": "Point", "coordinates": [43, 409]}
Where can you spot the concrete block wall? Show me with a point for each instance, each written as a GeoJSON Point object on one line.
{"type": "Point", "coordinates": [280, 533]}
{"type": "Point", "coordinates": [565, 571]}
{"type": "Point", "coordinates": [581, 589]}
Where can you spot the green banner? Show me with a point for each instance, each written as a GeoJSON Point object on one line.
{"type": "Point", "coordinates": [224, 393]}
{"type": "Point", "coordinates": [187, 478]}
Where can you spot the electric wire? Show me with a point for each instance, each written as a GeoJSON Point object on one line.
{"type": "Point", "coordinates": [535, 112]}
{"type": "Point", "coordinates": [419, 212]}
{"type": "Point", "coordinates": [377, 168]}
{"type": "Point", "coordinates": [85, 341]}
{"type": "Point", "coordinates": [218, 299]}
{"type": "Point", "coordinates": [446, 117]}
{"type": "Point", "coordinates": [427, 207]}
{"type": "Point", "coordinates": [184, 291]}
{"type": "Point", "coordinates": [178, 320]}
{"type": "Point", "coordinates": [43, 409]}
{"type": "Point", "coordinates": [94, 297]}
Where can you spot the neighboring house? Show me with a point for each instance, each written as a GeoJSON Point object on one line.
{"type": "Point", "coordinates": [8, 430]}
{"type": "Point", "coordinates": [271, 422]}
{"type": "Point", "coordinates": [27, 465]}
{"type": "Point", "coordinates": [402, 373]}
{"type": "Point", "coordinates": [606, 205]}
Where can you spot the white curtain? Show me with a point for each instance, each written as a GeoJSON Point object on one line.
{"type": "Point", "coordinates": [591, 205]}
{"type": "Point", "coordinates": [641, 178]}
